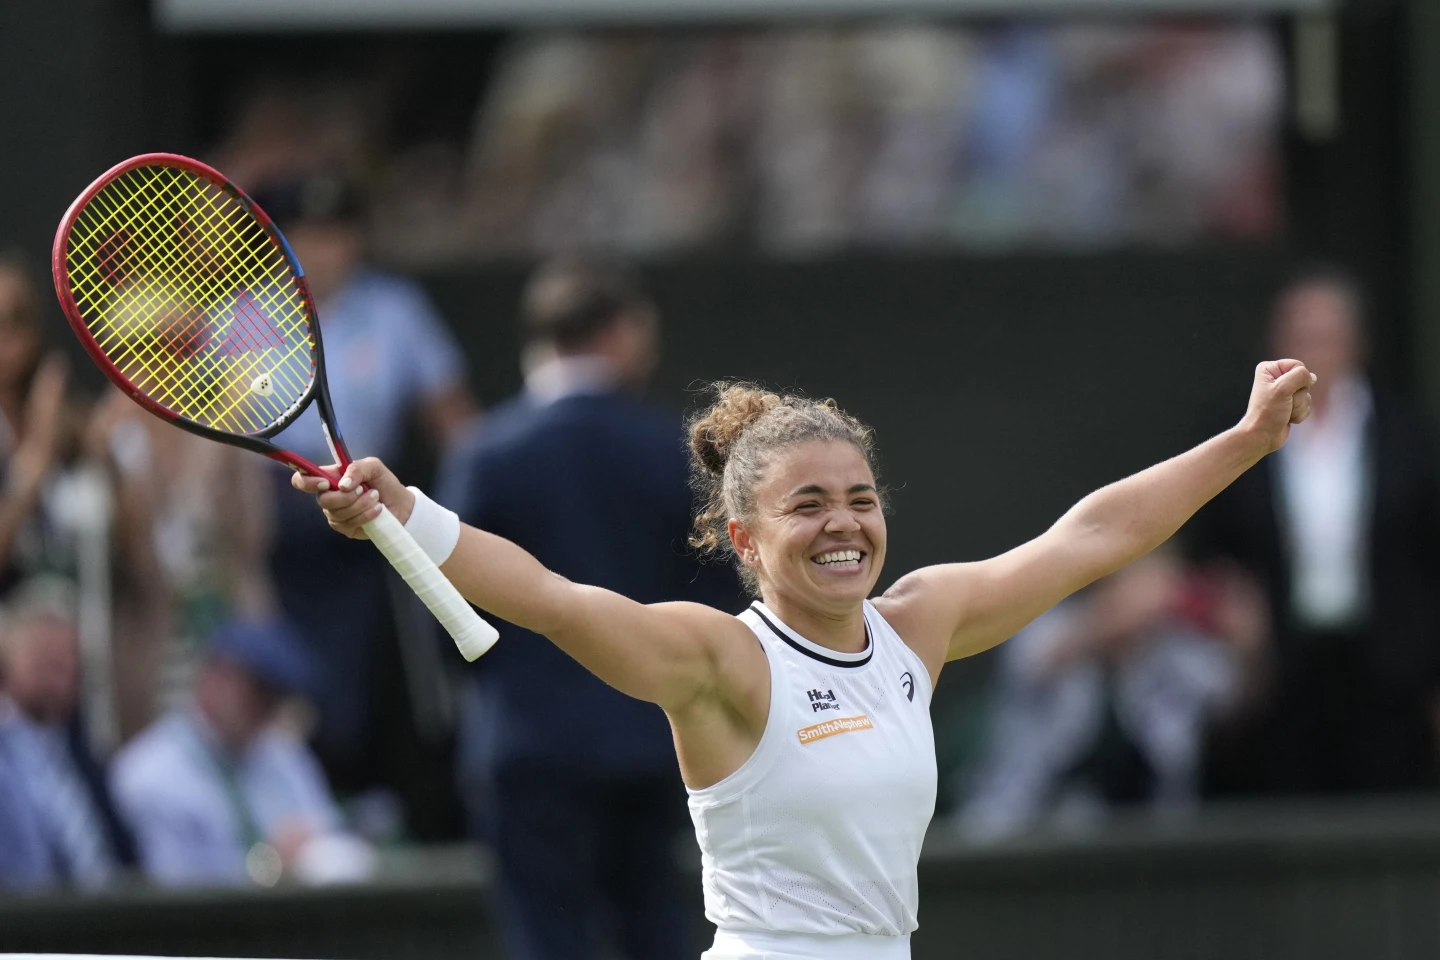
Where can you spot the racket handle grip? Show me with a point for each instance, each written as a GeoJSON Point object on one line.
{"type": "Point", "coordinates": [471, 634]}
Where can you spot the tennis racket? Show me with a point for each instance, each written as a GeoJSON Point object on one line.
{"type": "Point", "coordinates": [191, 301]}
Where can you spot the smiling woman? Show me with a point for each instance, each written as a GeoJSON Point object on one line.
{"type": "Point", "coordinates": [735, 441]}
{"type": "Point", "coordinates": [802, 726]}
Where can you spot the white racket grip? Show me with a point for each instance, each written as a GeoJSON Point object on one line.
{"type": "Point", "coordinates": [471, 634]}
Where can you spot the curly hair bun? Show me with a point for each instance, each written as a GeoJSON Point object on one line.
{"type": "Point", "coordinates": [713, 432]}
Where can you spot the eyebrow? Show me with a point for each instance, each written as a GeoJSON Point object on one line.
{"type": "Point", "coordinates": [816, 488]}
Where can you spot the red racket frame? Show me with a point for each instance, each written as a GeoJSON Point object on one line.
{"type": "Point", "coordinates": [318, 392]}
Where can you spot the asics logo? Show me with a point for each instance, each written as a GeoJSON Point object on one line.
{"type": "Point", "coordinates": [907, 683]}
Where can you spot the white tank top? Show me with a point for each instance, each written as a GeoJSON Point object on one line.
{"type": "Point", "coordinates": [818, 834]}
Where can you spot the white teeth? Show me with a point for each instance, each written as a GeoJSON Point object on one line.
{"type": "Point", "coordinates": [839, 556]}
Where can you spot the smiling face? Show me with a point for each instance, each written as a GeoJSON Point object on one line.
{"type": "Point", "coordinates": [817, 536]}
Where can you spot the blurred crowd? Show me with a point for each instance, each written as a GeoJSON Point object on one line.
{"type": "Point", "coordinates": [175, 699]}
{"type": "Point", "coordinates": [239, 696]}
{"type": "Point", "coordinates": [804, 140]}
{"type": "Point", "coordinates": [1287, 643]}
{"type": "Point", "coordinates": [184, 691]}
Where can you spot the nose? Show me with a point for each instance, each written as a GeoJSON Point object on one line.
{"type": "Point", "coordinates": [842, 521]}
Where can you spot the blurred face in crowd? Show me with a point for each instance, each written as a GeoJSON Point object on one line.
{"type": "Point", "coordinates": [237, 703]}
{"type": "Point", "coordinates": [19, 340]}
{"type": "Point", "coordinates": [630, 346]}
{"type": "Point", "coordinates": [818, 534]}
{"type": "Point", "coordinates": [1318, 323]}
{"type": "Point", "coordinates": [1130, 605]}
{"type": "Point", "coordinates": [41, 660]}
{"type": "Point", "coordinates": [330, 254]}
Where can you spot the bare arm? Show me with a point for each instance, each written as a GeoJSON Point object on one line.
{"type": "Point", "coordinates": [955, 610]}
{"type": "Point", "coordinates": [34, 452]}
{"type": "Point", "coordinates": [667, 653]}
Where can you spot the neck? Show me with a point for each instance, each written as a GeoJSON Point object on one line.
{"type": "Point", "coordinates": [841, 630]}
{"type": "Point", "coordinates": [1324, 393]}
{"type": "Point", "coordinates": [566, 374]}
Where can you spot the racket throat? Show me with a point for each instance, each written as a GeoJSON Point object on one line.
{"type": "Point", "coordinates": [335, 449]}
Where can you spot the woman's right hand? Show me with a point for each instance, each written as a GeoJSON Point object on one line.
{"type": "Point", "coordinates": [363, 488]}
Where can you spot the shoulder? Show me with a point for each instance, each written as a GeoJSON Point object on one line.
{"type": "Point", "coordinates": [715, 627]}
{"type": "Point", "coordinates": [616, 417]}
{"type": "Point", "coordinates": [618, 406]}
{"type": "Point", "coordinates": [377, 287]}
{"type": "Point", "coordinates": [506, 420]}
{"type": "Point", "coordinates": [286, 753]}
{"type": "Point", "coordinates": [921, 608]}
{"type": "Point", "coordinates": [648, 427]}
{"type": "Point", "coordinates": [501, 428]}
{"type": "Point", "coordinates": [486, 455]}
{"type": "Point", "coordinates": [739, 666]}
{"type": "Point", "coordinates": [150, 764]}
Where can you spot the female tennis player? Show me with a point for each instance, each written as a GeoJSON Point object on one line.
{"type": "Point", "coordinates": [802, 726]}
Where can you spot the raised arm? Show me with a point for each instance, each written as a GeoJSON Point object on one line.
{"type": "Point", "coordinates": [667, 653]}
{"type": "Point", "coordinates": [955, 610]}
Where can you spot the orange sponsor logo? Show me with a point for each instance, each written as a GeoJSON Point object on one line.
{"type": "Point", "coordinates": [831, 728]}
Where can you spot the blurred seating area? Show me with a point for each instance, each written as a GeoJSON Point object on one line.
{"type": "Point", "coordinates": [796, 141]}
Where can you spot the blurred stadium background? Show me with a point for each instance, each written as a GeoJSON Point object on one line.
{"type": "Point", "coordinates": [1035, 243]}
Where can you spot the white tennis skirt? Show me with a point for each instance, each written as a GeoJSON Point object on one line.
{"type": "Point", "coordinates": [750, 945]}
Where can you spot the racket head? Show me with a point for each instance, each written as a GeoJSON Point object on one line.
{"type": "Point", "coordinates": [189, 298]}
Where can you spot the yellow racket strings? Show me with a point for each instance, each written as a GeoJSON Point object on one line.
{"type": "Point", "coordinates": [191, 300]}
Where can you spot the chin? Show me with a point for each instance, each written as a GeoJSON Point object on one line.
{"type": "Point", "coordinates": [852, 592]}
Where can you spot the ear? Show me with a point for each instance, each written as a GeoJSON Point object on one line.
{"type": "Point", "coordinates": [742, 540]}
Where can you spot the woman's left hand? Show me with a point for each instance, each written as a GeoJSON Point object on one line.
{"type": "Point", "coordinates": [1279, 398]}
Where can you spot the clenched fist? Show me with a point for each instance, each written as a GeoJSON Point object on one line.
{"type": "Point", "coordinates": [1280, 397]}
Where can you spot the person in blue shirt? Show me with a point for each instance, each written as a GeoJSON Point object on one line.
{"type": "Point", "coordinates": [391, 363]}
{"type": "Point", "coordinates": [573, 783]}
{"type": "Point", "coordinates": [216, 793]}
{"type": "Point", "coordinates": [57, 824]}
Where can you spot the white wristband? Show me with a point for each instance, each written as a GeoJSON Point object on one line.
{"type": "Point", "coordinates": [434, 528]}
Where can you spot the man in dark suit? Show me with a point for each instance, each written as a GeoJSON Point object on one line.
{"type": "Point", "coordinates": [1342, 529]}
{"type": "Point", "coordinates": [574, 784]}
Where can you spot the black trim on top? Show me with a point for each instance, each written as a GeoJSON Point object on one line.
{"type": "Point", "coordinates": [869, 643]}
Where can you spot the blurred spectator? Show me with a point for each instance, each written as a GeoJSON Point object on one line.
{"type": "Point", "coordinates": [65, 830]}
{"type": "Point", "coordinates": [390, 360]}
{"type": "Point", "coordinates": [56, 518]}
{"type": "Point", "coordinates": [388, 354]}
{"type": "Point", "coordinates": [1342, 528]}
{"type": "Point", "coordinates": [32, 425]}
{"type": "Point", "coordinates": [285, 123]}
{"type": "Point", "coordinates": [217, 793]}
{"type": "Point", "coordinates": [574, 784]}
{"type": "Point", "coordinates": [1103, 701]}
{"type": "Point", "coordinates": [185, 566]}
{"type": "Point", "coordinates": [26, 863]}
{"type": "Point", "coordinates": [807, 139]}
